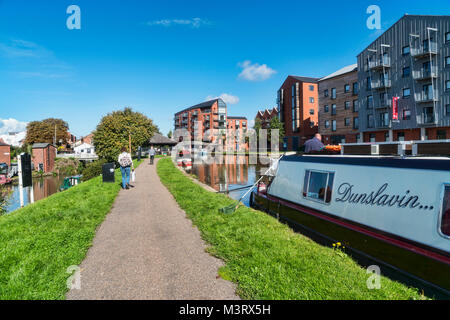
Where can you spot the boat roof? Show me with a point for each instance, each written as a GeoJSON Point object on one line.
{"type": "Point", "coordinates": [420, 163]}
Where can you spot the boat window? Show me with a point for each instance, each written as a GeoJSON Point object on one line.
{"type": "Point", "coordinates": [318, 185]}
{"type": "Point", "coordinates": [445, 219]}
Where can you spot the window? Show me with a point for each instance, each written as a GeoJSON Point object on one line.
{"type": "Point", "coordinates": [293, 90]}
{"type": "Point", "coordinates": [370, 123]}
{"type": "Point", "coordinates": [447, 61]}
{"type": "Point", "coordinates": [333, 125]}
{"type": "Point", "coordinates": [333, 93]}
{"type": "Point", "coordinates": [311, 88]}
{"type": "Point", "coordinates": [447, 109]}
{"type": "Point", "coordinates": [327, 124]}
{"type": "Point", "coordinates": [326, 109]}
{"type": "Point", "coordinates": [311, 111]}
{"type": "Point", "coordinates": [384, 119]}
{"type": "Point", "coordinates": [369, 102]}
{"type": "Point", "coordinates": [406, 72]}
{"type": "Point", "coordinates": [441, 135]}
{"type": "Point", "coordinates": [406, 114]}
{"type": "Point", "coordinates": [447, 85]}
{"type": "Point", "coordinates": [447, 37]}
{"type": "Point", "coordinates": [325, 93]}
{"type": "Point", "coordinates": [405, 50]}
{"type": "Point", "coordinates": [347, 122]}
{"type": "Point", "coordinates": [347, 105]}
{"type": "Point", "coordinates": [386, 136]}
{"type": "Point", "coordinates": [311, 100]}
{"type": "Point", "coordinates": [406, 93]}
{"type": "Point", "coordinates": [355, 88]}
{"type": "Point", "coordinates": [356, 123]}
{"type": "Point", "coordinates": [400, 136]}
{"type": "Point", "coordinates": [445, 215]}
{"type": "Point", "coordinates": [318, 185]}
{"type": "Point", "coordinates": [333, 109]}
{"type": "Point", "coordinates": [355, 105]}
{"type": "Point", "coordinates": [347, 88]}
{"type": "Point", "coordinates": [372, 137]}
{"type": "Point", "coordinates": [369, 83]}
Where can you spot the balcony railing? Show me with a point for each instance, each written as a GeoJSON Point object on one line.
{"type": "Point", "coordinates": [380, 64]}
{"type": "Point", "coordinates": [384, 103]}
{"type": "Point", "coordinates": [381, 84]}
{"type": "Point", "coordinates": [427, 118]}
{"type": "Point", "coordinates": [424, 50]}
{"type": "Point", "coordinates": [422, 97]}
{"type": "Point", "coordinates": [425, 74]}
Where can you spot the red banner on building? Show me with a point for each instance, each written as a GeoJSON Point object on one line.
{"type": "Point", "coordinates": [395, 108]}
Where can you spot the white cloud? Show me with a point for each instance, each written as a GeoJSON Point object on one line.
{"type": "Point", "coordinates": [193, 23]}
{"type": "Point", "coordinates": [255, 72]}
{"type": "Point", "coordinates": [12, 125]}
{"type": "Point", "coordinates": [227, 98]}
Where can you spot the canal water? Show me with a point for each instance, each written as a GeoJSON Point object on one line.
{"type": "Point", "coordinates": [43, 188]}
{"type": "Point", "coordinates": [233, 173]}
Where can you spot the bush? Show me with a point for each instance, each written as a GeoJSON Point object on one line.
{"type": "Point", "coordinates": [93, 169]}
{"type": "Point", "coordinates": [67, 167]}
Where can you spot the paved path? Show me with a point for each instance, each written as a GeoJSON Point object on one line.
{"type": "Point", "coordinates": [148, 249]}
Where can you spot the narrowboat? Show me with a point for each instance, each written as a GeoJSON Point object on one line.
{"type": "Point", "coordinates": [392, 212]}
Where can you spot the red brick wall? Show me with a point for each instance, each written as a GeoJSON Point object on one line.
{"type": "Point", "coordinates": [5, 155]}
{"type": "Point", "coordinates": [46, 156]}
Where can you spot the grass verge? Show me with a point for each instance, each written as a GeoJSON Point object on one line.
{"type": "Point", "coordinates": [265, 258]}
{"type": "Point", "coordinates": [39, 242]}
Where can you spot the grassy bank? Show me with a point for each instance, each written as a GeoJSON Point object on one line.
{"type": "Point", "coordinates": [266, 258]}
{"type": "Point", "coordinates": [39, 242]}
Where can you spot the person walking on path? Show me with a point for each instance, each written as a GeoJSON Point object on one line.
{"type": "Point", "coordinates": [314, 144]}
{"type": "Point", "coordinates": [126, 164]}
{"type": "Point", "coordinates": [152, 153]}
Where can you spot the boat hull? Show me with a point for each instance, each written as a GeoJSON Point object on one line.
{"type": "Point", "coordinates": [397, 258]}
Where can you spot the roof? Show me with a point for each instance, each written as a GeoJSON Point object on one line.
{"type": "Point", "coordinates": [161, 140]}
{"type": "Point", "coordinates": [306, 79]}
{"type": "Point", "coordinates": [347, 69]}
{"type": "Point", "coordinates": [242, 118]}
{"type": "Point", "coordinates": [206, 104]}
{"type": "Point", "coordinates": [41, 145]}
{"type": "Point", "coordinates": [2, 144]}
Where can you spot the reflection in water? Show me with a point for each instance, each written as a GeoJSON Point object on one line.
{"type": "Point", "coordinates": [42, 188]}
{"type": "Point", "coordinates": [233, 173]}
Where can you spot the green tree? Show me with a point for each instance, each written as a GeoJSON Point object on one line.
{"type": "Point", "coordinates": [113, 132]}
{"type": "Point", "coordinates": [44, 131]}
{"type": "Point", "coordinates": [275, 123]}
{"type": "Point", "coordinates": [170, 134]}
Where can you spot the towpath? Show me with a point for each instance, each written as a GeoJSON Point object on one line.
{"type": "Point", "coordinates": [148, 249]}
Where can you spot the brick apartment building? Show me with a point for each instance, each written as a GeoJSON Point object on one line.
{"type": "Point", "coordinates": [43, 157]}
{"type": "Point", "coordinates": [237, 125]}
{"type": "Point", "coordinates": [266, 116]}
{"type": "Point", "coordinates": [298, 105]}
{"type": "Point", "coordinates": [411, 62]}
{"type": "Point", "coordinates": [203, 122]}
{"type": "Point", "coordinates": [5, 153]}
{"type": "Point", "coordinates": [338, 110]}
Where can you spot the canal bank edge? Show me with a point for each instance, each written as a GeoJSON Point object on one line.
{"type": "Point", "coordinates": [265, 258]}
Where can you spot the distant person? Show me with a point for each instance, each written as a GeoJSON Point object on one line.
{"type": "Point", "coordinates": [152, 153]}
{"type": "Point", "coordinates": [314, 144]}
{"type": "Point", "coordinates": [126, 164]}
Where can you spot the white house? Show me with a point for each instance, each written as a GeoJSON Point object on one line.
{"type": "Point", "coordinates": [85, 149]}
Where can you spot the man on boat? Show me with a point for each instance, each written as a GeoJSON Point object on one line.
{"type": "Point", "coordinates": [314, 144]}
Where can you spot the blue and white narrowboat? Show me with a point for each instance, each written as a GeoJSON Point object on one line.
{"type": "Point", "coordinates": [393, 211]}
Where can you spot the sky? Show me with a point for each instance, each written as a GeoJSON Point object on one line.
{"type": "Point", "coordinates": [159, 57]}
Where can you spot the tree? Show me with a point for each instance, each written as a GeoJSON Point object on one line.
{"type": "Point", "coordinates": [257, 126]}
{"type": "Point", "coordinates": [114, 129]}
{"type": "Point", "coordinates": [275, 123]}
{"type": "Point", "coordinates": [170, 134]}
{"type": "Point", "coordinates": [44, 131]}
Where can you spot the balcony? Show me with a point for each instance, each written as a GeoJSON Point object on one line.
{"type": "Point", "coordinates": [384, 103]}
{"type": "Point", "coordinates": [422, 97]}
{"type": "Point", "coordinates": [425, 74]}
{"type": "Point", "coordinates": [424, 51]}
{"type": "Point", "coordinates": [380, 64]}
{"type": "Point", "coordinates": [427, 117]}
{"type": "Point", "coordinates": [381, 84]}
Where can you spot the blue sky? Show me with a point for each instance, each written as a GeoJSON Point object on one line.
{"type": "Point", "coordinates": [161, 56]}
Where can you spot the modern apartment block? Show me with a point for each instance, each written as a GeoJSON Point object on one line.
{"type": "Point", "coordinates": [203, 122]}
{"type": "Point", "coordinates": [338, 106]}
{"type": "Point", "coordinates": [298, 105]}
{"type": "Point", "coordinates": [404, 82]}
